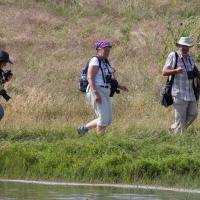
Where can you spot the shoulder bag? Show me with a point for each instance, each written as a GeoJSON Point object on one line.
{"type": "Point", "coordinates": [165, 93]}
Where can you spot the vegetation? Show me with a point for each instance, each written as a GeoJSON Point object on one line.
{"type": "Point", "coordinates": [49, 43]}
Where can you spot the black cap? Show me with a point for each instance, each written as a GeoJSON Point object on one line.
{"type": "Point", "coordinates": [5, 56]}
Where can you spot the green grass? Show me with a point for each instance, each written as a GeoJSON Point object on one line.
{"type": "Point", "coordinates": [132, 157]}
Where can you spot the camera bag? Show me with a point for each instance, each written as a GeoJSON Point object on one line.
{"type": "Point", "coordinates": [196, 83]}
{"type": "Point", "coordinates": [165, 93]}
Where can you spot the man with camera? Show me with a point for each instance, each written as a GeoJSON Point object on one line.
{"type": "Point", "coordinates": [99, 88]}
{"type": "Point", "coordinates": [4, 77]}
{"type": "Point", "coordinates": [184, 100]}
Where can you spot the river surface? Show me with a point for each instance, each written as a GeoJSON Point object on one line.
{"type": "Point", "coordinates": [33, 190]}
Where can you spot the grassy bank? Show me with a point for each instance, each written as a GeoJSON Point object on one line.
{"type": "Point", "coordinates": [49, 43]}
{"type": "Point", "coordinates": [133, 157]}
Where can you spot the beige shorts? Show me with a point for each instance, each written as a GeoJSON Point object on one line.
{"type": "Point", "coordinates": [103, 110]}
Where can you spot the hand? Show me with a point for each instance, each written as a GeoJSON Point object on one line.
{"type": "Point", "coordinates": [97, 98]}
{"type": "Point", "coordinates": [179, 70]}
{"type": "Point", "coordinates": [124, 88]}
{"type": "Point", "coordinates": [8, 78]}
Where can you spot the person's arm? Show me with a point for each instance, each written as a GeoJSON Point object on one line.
{"type": "Point", "coordinates": [168, 68]}
{"type": "Point", "coordinates": [122, 87]}
{"type": "Point", "coordinates": [1, 86]}
{"type": "Point", "coordinates": [169, 72]}
{"type": "Point", "coordinates": [92, 71]}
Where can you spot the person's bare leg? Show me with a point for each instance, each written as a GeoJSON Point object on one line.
{"type": "Point", "coordinates": [92, 124]}
{"type": "Point", "coordinates": [84, 129]}
{"type": "Point", "coordinates": [101, 130]}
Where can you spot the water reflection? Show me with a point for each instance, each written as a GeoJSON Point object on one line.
{"type": "Point", "coordinates": [33, 191]}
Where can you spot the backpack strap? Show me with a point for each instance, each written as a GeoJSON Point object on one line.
{"type": "Point", "coordinates": [176, 60]}
{"type": "Point", "coordinates": [99, 59]}
{"type": "Point", "coordinates": [175, 66]}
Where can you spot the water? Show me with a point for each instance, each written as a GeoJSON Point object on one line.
{"type": "Point", "coordinates": [12, 190]}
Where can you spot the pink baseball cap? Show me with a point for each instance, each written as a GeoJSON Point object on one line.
{"type": "Point", "coordinates": [102, 44]}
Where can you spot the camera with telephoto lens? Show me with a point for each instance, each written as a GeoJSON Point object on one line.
{"type": "Point", "coordinates": [190, 74]}
{"type": "Point", "coordinates": [114, 84]}
{"type": "Point", "coordinates": [108, 78]}
{"type": "Point", "coordinates": [113, 81]}
{"type": "Point", "coordinates": [4, 94]}
{"type": "Point", "coordinates": [7, 74]}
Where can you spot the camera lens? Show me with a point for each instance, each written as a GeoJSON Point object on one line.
{"type": "Point", "coordinates": [108, 78]}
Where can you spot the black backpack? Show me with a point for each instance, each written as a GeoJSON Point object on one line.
{"type": "Point", "coordinates": [83, 82]}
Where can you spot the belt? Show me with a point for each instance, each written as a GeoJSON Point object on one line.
{"type": "Point", "coordinates": [104, 86]}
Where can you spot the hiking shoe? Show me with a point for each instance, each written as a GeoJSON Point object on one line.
{"type": "Point", "coordinates": [170, 129]}
{"type": "Point", "coordinates": [82, 130]}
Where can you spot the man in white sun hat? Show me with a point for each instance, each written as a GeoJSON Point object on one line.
{"type": "Point", "coordinates": [184, 100]}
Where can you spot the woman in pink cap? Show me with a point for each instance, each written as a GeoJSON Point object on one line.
{"type": "Point", "coordinates": [99, 88]}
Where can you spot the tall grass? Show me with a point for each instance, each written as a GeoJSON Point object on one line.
{"type": "Point", "coordinates": [50, 42]}
{"type": "Point", "coordinates": [49, 49]}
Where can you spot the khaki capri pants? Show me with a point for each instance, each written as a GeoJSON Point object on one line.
{"type": "Point", "coordinates": [185, 113]}
{"type": "Point", "coordinates": [103, 110]}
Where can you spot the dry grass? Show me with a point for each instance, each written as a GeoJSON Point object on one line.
{"type": "Point", "coordinates": [49, 49]}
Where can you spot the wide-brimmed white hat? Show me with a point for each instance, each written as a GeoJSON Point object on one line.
{"type": "Point", "coordinates": [185, 41]}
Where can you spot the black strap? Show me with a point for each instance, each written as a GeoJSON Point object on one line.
{"type": "Point", "coordinates": [176, 60]}
{"type": "Point", "coordinates": [108, 69]}
{"type": "Point", "coordinates": [1, 73]}
{"type": "Point", "coordinates": [99, 59]}
{"type": "Point", "coordinates": [175, 66]}
{"type": "Point", "coordinates": [185, 64]}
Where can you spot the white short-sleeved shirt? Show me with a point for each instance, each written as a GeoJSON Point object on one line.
{"type": "Point", "coordinates": [98, 80]}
